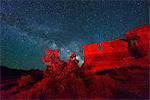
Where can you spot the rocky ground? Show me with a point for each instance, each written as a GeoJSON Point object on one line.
{"type": "Point", "coordinates": [129, 82]}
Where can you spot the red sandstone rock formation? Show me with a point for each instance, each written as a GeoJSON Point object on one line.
{"type": "Point", "coordinates": [141, 37]}
{"type": "Point", "coordinates": [111, 70]}
{"type": "Point", "coordinates": [119, 53]}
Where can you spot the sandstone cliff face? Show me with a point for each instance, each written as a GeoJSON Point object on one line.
{"type": "Point", "coordinates": [121, 52]}
{"type": "Point", "coordinates": [141, 37]}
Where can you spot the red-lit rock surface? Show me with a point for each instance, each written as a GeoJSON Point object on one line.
{"type": "Point", "coordinates": [141, 36]}
{"type": "Point", "coordinates": [133, 51]}
{"type": "Point", "coordinates": [112, 70]}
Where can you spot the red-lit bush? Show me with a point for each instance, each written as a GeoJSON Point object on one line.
{"type": "Point", "coordinates": [25, 80]}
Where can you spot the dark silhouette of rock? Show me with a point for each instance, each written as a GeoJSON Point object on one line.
{"type": "Point", "coordinates": [8, 73]}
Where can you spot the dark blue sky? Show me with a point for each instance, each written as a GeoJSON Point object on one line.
{"type": "Point", "coordinates": [28, 27]}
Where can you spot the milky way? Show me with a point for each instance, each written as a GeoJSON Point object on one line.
{"type": "Point", "coordinates": [28, 27]}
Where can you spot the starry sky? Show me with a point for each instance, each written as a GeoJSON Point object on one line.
{"type": "Point", "coordinates": [28, 27]}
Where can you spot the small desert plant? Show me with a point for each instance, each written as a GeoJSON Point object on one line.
{"type": "Point", "coordinates": [25, 80]}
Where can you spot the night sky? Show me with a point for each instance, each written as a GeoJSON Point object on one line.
{"type": "Point", "coordinates": [28, 27]}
